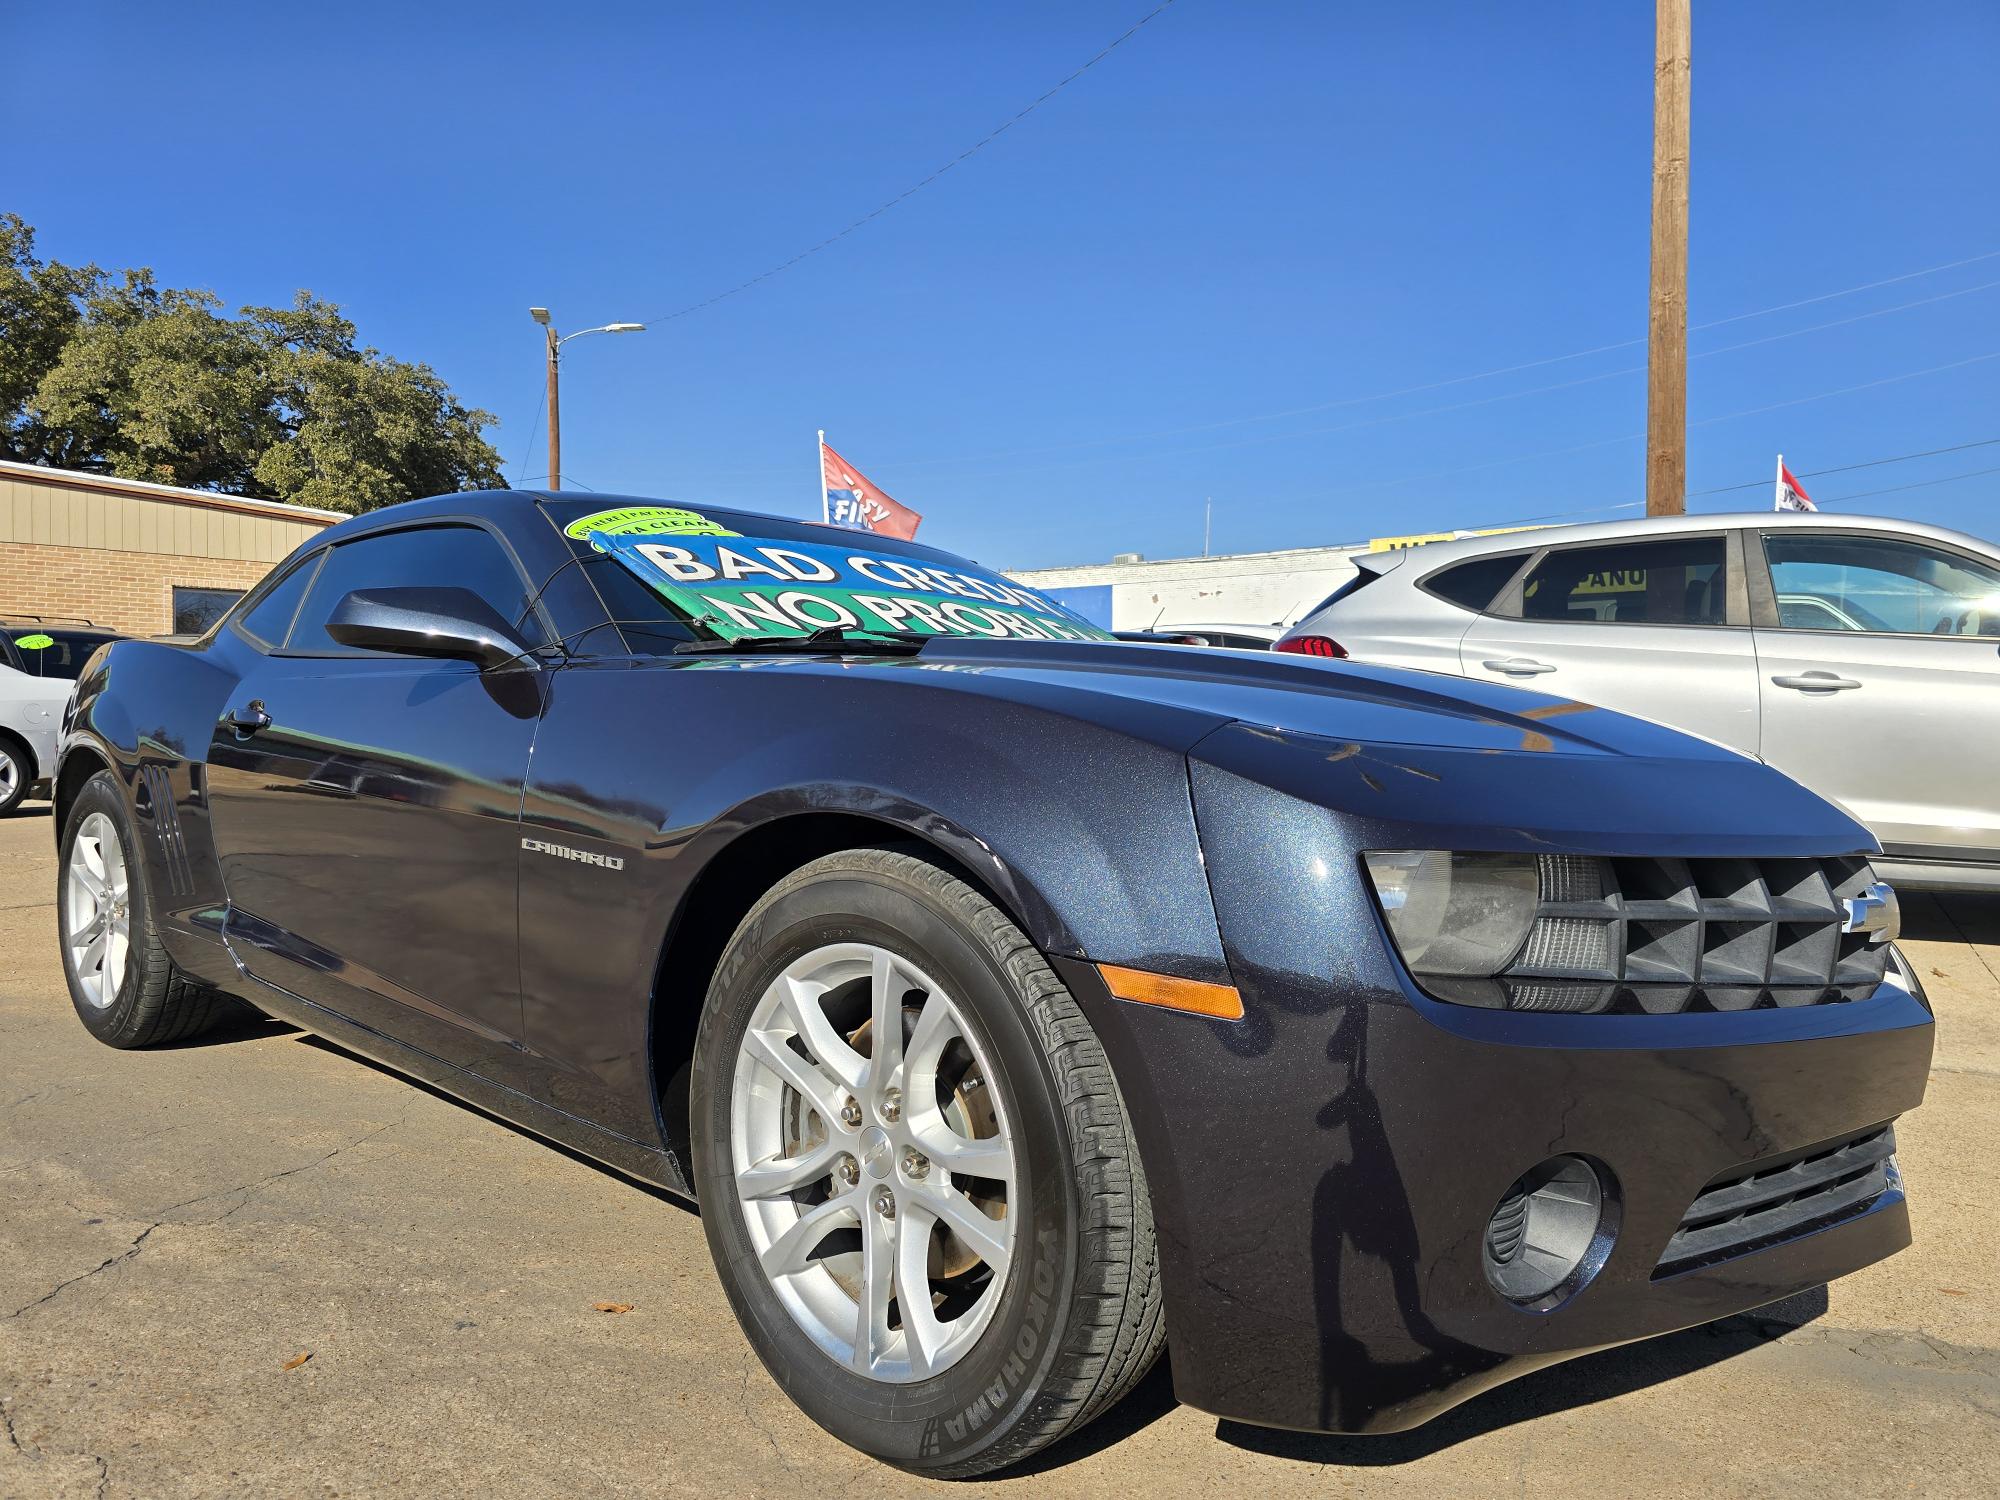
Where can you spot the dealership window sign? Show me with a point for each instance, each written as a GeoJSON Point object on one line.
{"type": "Point", "coordinates": [738, 586]}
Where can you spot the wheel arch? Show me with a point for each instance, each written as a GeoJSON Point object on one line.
{"type": "Point", "coordinates": [20, 746]}
{"type": "Point", "coordinates": [73, 773]}
{"type": "Point", "coordinates": [735, 875]}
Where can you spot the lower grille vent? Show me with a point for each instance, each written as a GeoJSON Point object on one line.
{"type": "Point", "coordinates": [1781, 1198]}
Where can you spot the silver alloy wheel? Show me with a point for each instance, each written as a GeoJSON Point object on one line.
{"type": "Point", "coordinates": [97, 910]}
{"type": "Point", "coordinates": [874, 1162]}
{"type": "Point", "coordinates": [10, 775]}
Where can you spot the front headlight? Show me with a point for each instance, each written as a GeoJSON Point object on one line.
{"type": "Point", "coordinates": [1456, 915]}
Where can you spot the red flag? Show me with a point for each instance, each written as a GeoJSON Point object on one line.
{"type": "Point", "coordinates": [852, 500]}
{"type": "Point", "coordinates": [1790, 496]}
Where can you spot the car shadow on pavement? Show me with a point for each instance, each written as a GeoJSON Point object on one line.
{"type": "Point", "coordinates": [1952, 917]}
{"type": "Point", "coordinates": [241, 1023]}
{"type": "Point", "coordinates": [1564, 1387]}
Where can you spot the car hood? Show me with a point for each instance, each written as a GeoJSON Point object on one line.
{"type": "Point", "coordinates": [1331, 700]}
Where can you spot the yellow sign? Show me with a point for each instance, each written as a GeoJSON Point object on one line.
{"type": "Point", "coordinates": [645, 520]}
{"type": "Point", "coordinates": [1394, 543]}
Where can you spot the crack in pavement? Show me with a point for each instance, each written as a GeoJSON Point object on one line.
{"type": "Point", "coordinates": [1886, 1346]}
{"type": "Point", "coordinates": [248, 1190]}
{"type": "Point", "coordinates": [1965, 1068]}
{"type": "Point", "coordinates": [1971, 947]}
{"type": "Point", "coordinates": [124, 1255]}
{"type": "Point", "coordinates": [749, 1412]}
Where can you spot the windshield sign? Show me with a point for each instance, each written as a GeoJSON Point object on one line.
{"type": "Point", "coordinates": [740, 587]}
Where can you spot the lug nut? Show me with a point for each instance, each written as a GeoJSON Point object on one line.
{"type": "Point", "coordinates": [892, 1106]}
{"type": "Point", "coordinates": [916, 1164]}
{"type": "Point", "coordinates": [885, 1203]}
{"type": "Point", "coordinates": [848, 1170]}
{"type": "Point", "coordinates": [850, 1115]}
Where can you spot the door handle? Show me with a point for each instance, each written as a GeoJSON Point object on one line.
{"type": "Point", "coordinates": [1518, 666]}
{"type": "Point", "coordinates": [250, 718]}
{"type": "Point", "coordinates": [1817, 682]}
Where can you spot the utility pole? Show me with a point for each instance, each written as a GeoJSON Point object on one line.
{"type": "Point", "coordinates": [555, 408]}
{"type": "Point", "coordinates": [1666, 354]}
{"type": "Point", "coordinates": [541, 316]}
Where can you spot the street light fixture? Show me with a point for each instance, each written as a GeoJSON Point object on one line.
{"type": "Point", "coordinates": [556, 341]}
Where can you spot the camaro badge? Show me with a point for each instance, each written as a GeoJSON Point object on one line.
{"type": "Point", "coordinates": [582, 856]}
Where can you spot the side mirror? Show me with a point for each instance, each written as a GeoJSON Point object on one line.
{"type": "Point", "coordinates": [447, 622]}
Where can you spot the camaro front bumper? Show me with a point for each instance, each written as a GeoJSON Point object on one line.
{"type": "Point", "coordinates": [1323, 1171]}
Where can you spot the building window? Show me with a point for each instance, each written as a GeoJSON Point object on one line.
{"type": "Point", "coordinates": [197, 609]}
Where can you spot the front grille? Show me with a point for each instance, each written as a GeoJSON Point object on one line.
{"type": "Point", "coordinates": [1780, 1198]}
{"type": "Point", "coordinates": [1667, 936]}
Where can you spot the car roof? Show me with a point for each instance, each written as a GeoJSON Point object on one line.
{"type": "Point", "coordinates": [494, 505]}
{"type": "Point", "coordinates": [1437, 554]}
{"type": "Point", "coordinates": [29, 622]}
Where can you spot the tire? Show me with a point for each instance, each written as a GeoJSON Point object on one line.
{"type": "Point", "coordinates": [16, 772]}
{"type": "Point", "coordinates": [1075, 1317]}
{"type": "Point", "coordinates": [143, 1001]}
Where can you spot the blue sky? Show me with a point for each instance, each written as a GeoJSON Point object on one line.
{"type": "Point", "coordinates": [1066, 343]}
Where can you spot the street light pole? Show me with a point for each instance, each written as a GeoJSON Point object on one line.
{"type": "Point", "coordinates": [555, 410]}
{"type": "Point", "coordinates": [556, 341]}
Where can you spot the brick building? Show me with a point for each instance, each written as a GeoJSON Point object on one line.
{"type": "Point", "coordinates": [144, 559]}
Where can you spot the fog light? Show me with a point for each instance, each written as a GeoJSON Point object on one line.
{"type": "Point", "coordinates": [1550, 1234]}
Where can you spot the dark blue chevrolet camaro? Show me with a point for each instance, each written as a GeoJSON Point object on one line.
{"type": "Point", "coordinates": [1015, 1003]}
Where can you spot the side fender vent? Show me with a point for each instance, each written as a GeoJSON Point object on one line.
{"type": "Point", "coordinates": [156, 790]}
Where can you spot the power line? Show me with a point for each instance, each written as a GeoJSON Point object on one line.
{"type": "Point", "coordinates": [1921, 484]}
{"type": "Point", "coordinates": [1514, 369]}
{"type": "Point", "coordinates": [1848, 390]}
{"type": "Point", "coordinates": [969, 151]}
{"type": "Point", "coordinates": [1765, 483]}
{"type": "Point", "coordinates": [1873, 463]}
{"type": "Point", "coordinates": [541, 405]}
{"type": "Point", "coordinates": [1430, 411]}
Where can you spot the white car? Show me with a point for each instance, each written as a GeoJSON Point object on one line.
{"type": "Point", "coordinates": [1858, 654]}
{"type": "Point", "coordinates": [1232, 637]}
{"type": "Point", "coordinates": [38, 668]}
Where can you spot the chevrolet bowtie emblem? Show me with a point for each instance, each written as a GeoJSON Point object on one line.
{"type": "Point", "coordinates": [1875, 911]}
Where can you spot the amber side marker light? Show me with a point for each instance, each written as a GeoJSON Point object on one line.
{"type": "Point", "coordinates": [1219, 1001]}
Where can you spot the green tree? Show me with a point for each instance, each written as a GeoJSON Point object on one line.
{"type": "Point", "coordinates": [117, 375]}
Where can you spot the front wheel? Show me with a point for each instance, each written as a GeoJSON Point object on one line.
{"type": "Point", "coordinates": [916, 1173]}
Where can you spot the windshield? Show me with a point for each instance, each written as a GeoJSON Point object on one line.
{"type": "Point", "coordinates": [722, 575]}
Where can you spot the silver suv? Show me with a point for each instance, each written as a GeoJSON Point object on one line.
{"type": "Point", "coordinates": [1859, 654]}
{"type": "Point", "coordinates": [38, 667]}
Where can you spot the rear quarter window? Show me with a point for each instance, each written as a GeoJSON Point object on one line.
{"type": "Point", "coordinates": [1475, 584]}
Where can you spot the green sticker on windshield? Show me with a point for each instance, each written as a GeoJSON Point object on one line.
{"type": "Point", "coordinates": [646, 520]}
{"type": "Point", "coordinates": [34, 642]}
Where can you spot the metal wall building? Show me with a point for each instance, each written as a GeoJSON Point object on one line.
{"type": "Point", "coordinates": [143, 559]}
{"type": "Point", "coordinates": [1245, 588]}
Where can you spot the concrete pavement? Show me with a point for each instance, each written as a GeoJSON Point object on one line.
{"type": "Point", "coordinates": [177, 1227]}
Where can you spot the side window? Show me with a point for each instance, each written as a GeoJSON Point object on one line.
{"type": "Point", "coordinates": [1880, 584]}
{"type": "Point", "coordinates": [461, 556]}
{"type": "Point", "coordinates": [1472, 585]}
{"type": "Point", "coordinates": [270, 618]}
{"type": "Point", "coordinates": [195, 609]}
{"type": "Point", "coordinates": [1673, 581]}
